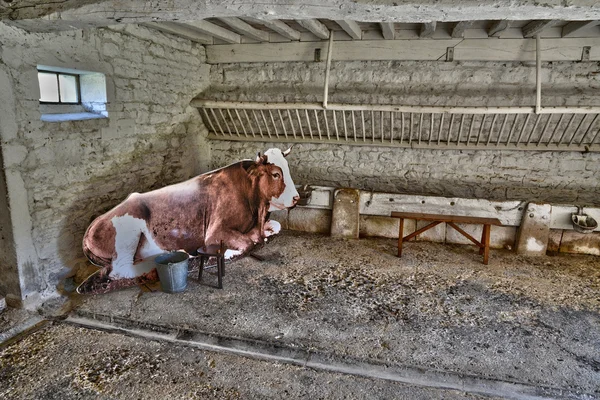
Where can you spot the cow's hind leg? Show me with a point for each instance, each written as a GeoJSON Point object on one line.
{"type": "Point", "coordinates": [129, 231]}
{"type": "Point", "coordinates": [236, 242]}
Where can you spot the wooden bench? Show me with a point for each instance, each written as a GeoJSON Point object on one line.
{"type": "Point", "coordinates": [451, 220]}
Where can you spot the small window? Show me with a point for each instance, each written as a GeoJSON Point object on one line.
{"type": "Point", "coordinates": [59, 88]}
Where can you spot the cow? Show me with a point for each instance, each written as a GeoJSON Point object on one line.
{"type": "Point", "coordinates": [230, 204]}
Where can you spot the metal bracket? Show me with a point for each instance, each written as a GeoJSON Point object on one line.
{"type": "Point", "coordinates": [585, 55]}
{"type": "Point", "coordinates": [450, 54]}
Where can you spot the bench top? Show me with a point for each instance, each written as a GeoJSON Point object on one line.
{"type": "Point", "coordinates": [466, 219]}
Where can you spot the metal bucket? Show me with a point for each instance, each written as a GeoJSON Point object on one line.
{"type": "Point", "coordinates": [172, 271]}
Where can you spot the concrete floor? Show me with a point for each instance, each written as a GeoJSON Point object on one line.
{"type": "Point", "coordinates": [436, 319]}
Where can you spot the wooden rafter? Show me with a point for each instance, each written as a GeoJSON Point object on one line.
{"type": "Point", "coordinates": [535, 27]}
{"type": "Point", "coordinates": [277, 26]}
{"type": "Point", "coordinates": [570, 29]}
{"type": "Point", "coordinates": [458, 30]}
{"type": "Point", "coordinates": [215, 31]}
{"type": "Point", "coordinates": [427, 29]}
{"type": "Point", "coordinates": [498, 27]}
{"type": "Point", "coordinates": [174, 28]}
{"type": "Point", "coordinates": [316, 27]}
{"type": "Point", "coordinates": [388, 30]}
{"type": "Point", "coordinates": [351, 28]}
{"type": "Point", "coordinates": [246, 29]}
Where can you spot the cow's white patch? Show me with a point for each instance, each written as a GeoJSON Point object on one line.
{"type": "Point", "coordinates": [272, 228]}
{"type": "Point", "coordinates": [286, 200]}
{"type": "Point", "coordinates": [128, 232]}
{"type": "Point", "coordinates": [229, 254]}
{"type": "Point", "coordinates": [534, 245]}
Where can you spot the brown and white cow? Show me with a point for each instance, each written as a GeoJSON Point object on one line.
{"type": "Point", "coordinates": [229, 204]}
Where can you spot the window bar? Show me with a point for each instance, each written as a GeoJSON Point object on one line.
{"type": "Point", "coordinates": [354, 125]}
{"type": "Point", "coordinates": [546, 125]}
{"type": "Point", "coordinates": [300, 123]}
{"type": "Point", "coordinates": [345, 127]}
{"type": "Point", "coordinates": [273, 122]}
{"type": "Point", "coordinates": [233, 122]}
{"type": "Point", "coordinates": [262, 114]}
{"type": "Point", "coordinates": [381, 125]}
{"type": "Point", "coordinates": [391, 127]}
{"type": "Point", "coordinates": [512, 129]}
{"type": "Point", "coordinates": [577, 130]}
{"type": "Point", "coordinates": [209, 120]}
{"type": "Point", "coordinates": [237, 114]}
{"type": "Point", "coordinates": [491, 129]}
{"type": "Point", "coordinates": [440, 130]}
{"type": "Point", "coordinates": [257, 124]}
{"type": "Point", "coordinates": [401, 127]}
{"type": "Point", "coordinates": [450, 129]}
{"type": "Point", "coordinates": [566, 130]}
{"type": "Point", "coordinates": [58, 87]}
{"type": "Point", "coordinates": [462, 121]}
{"type": "Point", "coordinates": [249, 123]}
{"type": "Point", "coordinates": [225, 122]}
{"type": "Point", "coordinates": [410, 132]}
{"type": "Point", "coordinates": [292, 124]}
{"type": "Point", "coordinates": [318, 125]}
{"type": "Point", "coordinates": [502, 129]}
{"type": "Point", "coordinates": [420, 127]}
{"type": "Point", "coordinates": [537, 121]}
{"type": "Point", "coordinates": [282, 124]}
{"type": "Point", "coordinates": [523, 129]}
{"type": "Point", "coordinates": [335, 126]}
{"type": "Point", "coordinates": [470, 129]}
{"type": "Point", "coordinates": [588, 129]}
{"type": "Point", "coordinates": [326, 124]}
{"type": "Point", "coordinates": [555, 130]}
{"type": "Point", "coordinates": [362, 116]}
{"type": "Point", "coordinates": [310, 132]}
{"type": "Point", "coordinates": [373, 126]}
{"type": "Point", "coordinates": [212, 111]}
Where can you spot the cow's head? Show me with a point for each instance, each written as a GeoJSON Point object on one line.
{"type": "Point", "coordinates": [268, 177]}
{"type": "Point", "coordinates": [290, 196]}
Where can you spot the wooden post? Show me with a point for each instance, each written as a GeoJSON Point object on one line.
{"type": "Point", "coordinates": [400, 236]}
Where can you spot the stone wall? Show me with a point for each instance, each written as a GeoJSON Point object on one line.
{"type": "Point", "coordinates": [9, 282]}
{"type": "Point", "coordinates": [555, 177]}
{"type": "Point", "coordinates": [60, 175]}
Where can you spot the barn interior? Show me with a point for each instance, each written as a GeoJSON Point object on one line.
{"type": "Point", "coordinates": [449, 106]}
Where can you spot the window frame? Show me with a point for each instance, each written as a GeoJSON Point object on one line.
{"type": "Point", "coordinates": [77, 83]}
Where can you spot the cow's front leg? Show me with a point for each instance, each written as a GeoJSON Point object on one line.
{"type": "Point", "coordinates": [236, 242]}
{"type": "Point", "coordinates": [272, 228]}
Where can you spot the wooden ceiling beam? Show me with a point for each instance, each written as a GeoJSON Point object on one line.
{"type": "Point", "coordinates": [458, 30]}
{"type": "Point", "coordinates": [535, 27]}
{"type": "Point", "coordinates": [246, 29]}
{"type": "Point", "coordinates": [277, 26]}
{"type": "Point", "coordinates": [570, 29]}
{"type": "Point", "coordinates": [388, 30]}
{"type": "Point", "coordinates": [351, 28]}
{"type": "Point", "coordinates": [315, 27]}
{"type": "Point", "coordinates": [215, 31]}
{"type": "Point", "coordinates": [176, 29]}
{"type": "Point", "coordinates": [427, 29]}
{"type": "Point", "coordinates": [498, 27]}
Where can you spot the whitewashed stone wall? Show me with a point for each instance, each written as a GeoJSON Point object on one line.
{"type": "Point", "coordinates": [62, 174]}
{"type": "Point", "coordinates": [556, 177]}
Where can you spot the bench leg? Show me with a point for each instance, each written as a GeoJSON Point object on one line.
{"type": "Point", "coordinates": [486, 243]}
{"type": "Point", "coordinates": [220, 268]}
{"type": "Point", "coordinates": [400, 236]}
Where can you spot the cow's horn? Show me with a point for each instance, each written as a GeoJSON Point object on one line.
{"type": "Point", "coordinates": [288, 151]}
{"type": "Point", "coordinates": [258, 157]}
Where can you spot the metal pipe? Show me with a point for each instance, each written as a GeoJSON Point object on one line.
{"type": "Point", "coordinates": [544, 130]}
{"type": "Point", "coordinates": [318, 125]}
{"type": "Point", "coordinates": [538, 74]}
{"type": "Point", "coordinates": [327, 68]}
{"type": "Point", "coordinates": [241, 122]}
{"type": "Point", "coordinates": [300, 123]}
{"type": "Point", "coordinates": [282, 123]}
{"type": "Point", "coordinates": [257, 124]}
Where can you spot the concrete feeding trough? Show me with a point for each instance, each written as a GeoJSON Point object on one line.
{"type": "Point", "coordinates": [583, 223]}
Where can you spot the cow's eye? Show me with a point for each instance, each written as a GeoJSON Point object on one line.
{"type": "Point", "coordinates": [276, 175]}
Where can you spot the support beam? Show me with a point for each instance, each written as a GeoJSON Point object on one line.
{"type": "Point", "coordinates": [351, 28]}
{"type": "Point", "coordinates": [498, 27]}
{"type": "Point", "coordinates": [538, 74]}
{"type": "Point", "coordinates": [245, 29]}
{"type": "Point", "coordinates": [388, 30]}
{"type": "Point", "coordinates": [535, 27]}
{"type": "Point", "coordinates": [215, 31]}
{"type": "Point", "coordinates": [427, 29]}
{"type": "Point", "coordinates": [328, 68]}
{"type": "Point", "coordinates": [277, 26]}
{"type": "Point", "coordinates": [315, 27]}
{"type": "Point", "coordinates": [458, 31]}
{"type": "Point", "coordinates": [571, 29]}
{"type": "Point", "coordinates": [181, 30]}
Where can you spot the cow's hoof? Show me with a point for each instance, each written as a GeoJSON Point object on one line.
{"type": "Point", "coordinates": [272, 228]}
{"type": "Point", "coordinates": [229, 254]}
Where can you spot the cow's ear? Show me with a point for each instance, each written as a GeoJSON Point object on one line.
{"type": "Point", "coordinates": [288, 151]}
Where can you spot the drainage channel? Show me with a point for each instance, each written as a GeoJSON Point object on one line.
{"type": "Point", "coordinates": [327, 362]}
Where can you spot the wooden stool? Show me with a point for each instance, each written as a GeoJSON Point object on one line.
{"type": "Point", "coordinates": [217, 251]}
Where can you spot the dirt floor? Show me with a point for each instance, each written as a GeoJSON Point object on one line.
{"type": "Point", "coordinates": [437, 310]}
